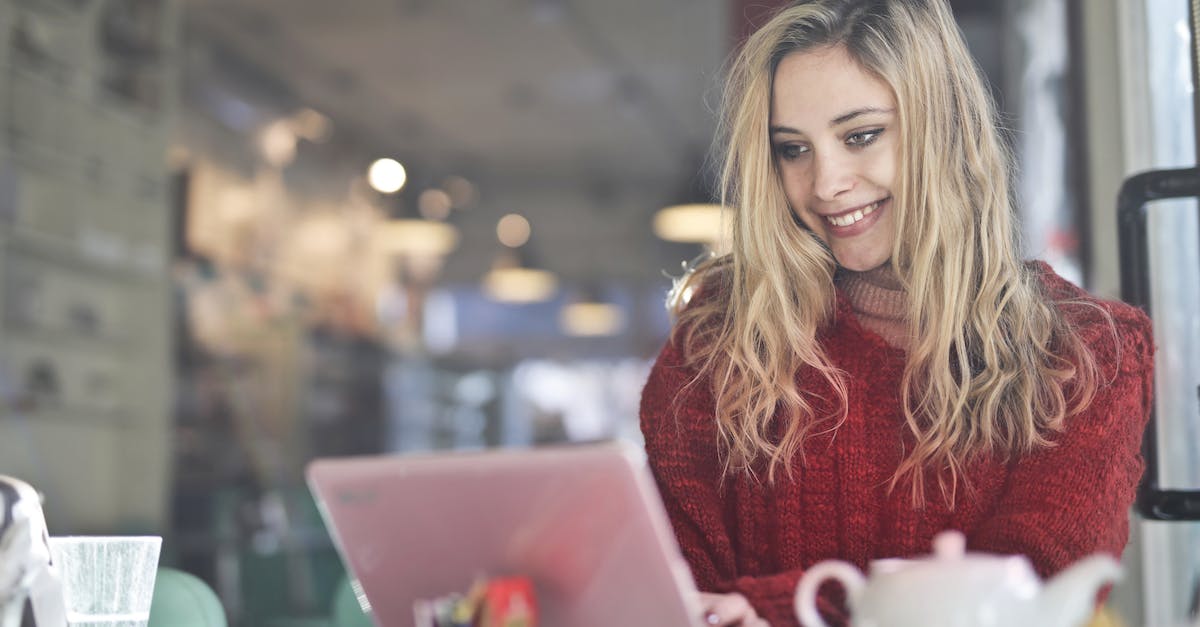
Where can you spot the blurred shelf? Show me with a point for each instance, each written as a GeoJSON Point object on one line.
{"type": "Point", "coordinates": [69, 339]}
{"type": "Point", "coordinates": [80, 415]}
{"type": "Point", "coordinates": [67, 253]}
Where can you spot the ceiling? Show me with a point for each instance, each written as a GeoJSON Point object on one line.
{"type": "Point", "coordinates": [584, 115]}
{"type": "Point", "coordinates": [521, 89]}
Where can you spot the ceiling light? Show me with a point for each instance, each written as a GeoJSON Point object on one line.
{"type": "Point", "coordinates": [699, 223]}
{"type": "Point", "coordinates": [519, 285]}
{"type": "Point", "coordinates": [513, 230]}
{"type": "Point", "coordinates": [591, 319]}
{"type": "Point", "coordinates": [387, 176]}
{"type": "Point", "coordinates": [590, 314]}
{"type": "Point", "coordinates": [417, 237]}
{"type": "Point", "coordinates": [514, 279]}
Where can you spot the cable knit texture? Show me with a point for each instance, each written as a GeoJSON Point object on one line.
{"type": "Point", "coordinates": [1055, 505]}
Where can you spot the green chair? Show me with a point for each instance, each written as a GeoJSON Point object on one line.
{"type": "Point", "coordinates": [184, 600]}
{"type": "Point", "coordinates": [346, 610]}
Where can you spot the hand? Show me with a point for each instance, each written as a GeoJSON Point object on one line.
{"type": "Point", "coordinates": [729, 610]}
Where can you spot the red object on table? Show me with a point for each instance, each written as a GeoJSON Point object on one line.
{"type": "Point", "coordinates": [509, 602]}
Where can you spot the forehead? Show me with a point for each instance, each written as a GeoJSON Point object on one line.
{"type": "Point", "coordinates": [814, 87]}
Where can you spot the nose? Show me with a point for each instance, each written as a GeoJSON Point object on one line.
{"type": "Point", "coordinates": [832, 175]}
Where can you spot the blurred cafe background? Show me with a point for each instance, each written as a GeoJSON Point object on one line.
{"type": "Point", "coordinates": [237, 235]}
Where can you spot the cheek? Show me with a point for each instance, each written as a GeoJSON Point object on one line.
{"type": "Point", "coordinates": [884, 175]}
{"type": "Point", "coordinates": [883, 169]}
{"type": "Point", "coordinates": [797, 191]}
{"type": "Point", "coordinates": [809, 221]}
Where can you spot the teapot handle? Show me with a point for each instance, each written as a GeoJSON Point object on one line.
{"type": "Point", "coordinates": [806, 590]}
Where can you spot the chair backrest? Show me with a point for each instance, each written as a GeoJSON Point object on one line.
{"type": "Point", "coordinates": [184, 600]}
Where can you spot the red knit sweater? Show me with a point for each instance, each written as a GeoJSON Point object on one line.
{"type": "Point", "coordinates": [1055, 505]}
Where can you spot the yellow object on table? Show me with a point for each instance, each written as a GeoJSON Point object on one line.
{"type": "Point", "coordinates": [1105, 617]}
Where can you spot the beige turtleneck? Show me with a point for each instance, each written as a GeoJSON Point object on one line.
{"type": "Point", "coordinates": [878, 301]}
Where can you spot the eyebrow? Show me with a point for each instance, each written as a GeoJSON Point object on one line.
{"type": "Point", "coordinates": [846, 117]}
{"type": "Point", "coordinates": [841, 119]}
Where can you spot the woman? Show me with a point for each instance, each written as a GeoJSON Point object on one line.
{"type": "Point", "coordinates": [873, 363]}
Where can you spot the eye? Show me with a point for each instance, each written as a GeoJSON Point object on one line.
{"type": "Point", "coordinates": [790, 152]}
{"type": "Point", "coordinates": [860, 139]}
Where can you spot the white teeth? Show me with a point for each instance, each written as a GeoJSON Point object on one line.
{"type": "Point", "coordinates": [851, 218]}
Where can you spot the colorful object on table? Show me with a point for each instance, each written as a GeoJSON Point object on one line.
{"type": "Point", "coordinates": [498, 602]}
{"type": "Point", "coordinates": [1105, 617]}
{"type": "Point", "coordinates": [508, 602]}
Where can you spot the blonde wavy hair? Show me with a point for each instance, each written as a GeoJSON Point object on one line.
{"type": "Point", "coordinates": [994, 366]}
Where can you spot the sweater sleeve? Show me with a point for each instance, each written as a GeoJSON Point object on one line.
{"type": "Point", "coordinates": [678, 422]}
{"type": "Point", "coordinates": [1071, 500]}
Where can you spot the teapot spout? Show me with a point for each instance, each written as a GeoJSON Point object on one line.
{"type": "Point", "coordinates": [1069, 599]}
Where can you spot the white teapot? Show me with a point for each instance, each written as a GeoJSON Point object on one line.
{"type": "Point", "coordinates": [952, 588]}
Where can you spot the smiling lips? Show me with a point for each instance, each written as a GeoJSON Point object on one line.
{"type": "Point", "coordinates": [850, 217]}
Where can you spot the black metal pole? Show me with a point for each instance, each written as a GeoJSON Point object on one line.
{"type": "Point", "coordinates": [1194, 19]}
{"type": "Point", "coordinates": [1133, 238]}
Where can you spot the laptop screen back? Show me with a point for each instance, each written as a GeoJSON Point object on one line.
{"type": "Point", "coordinates": [584, 523]}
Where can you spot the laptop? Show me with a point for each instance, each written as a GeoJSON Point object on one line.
{"type": "Point", "coordinates": [583, 522]}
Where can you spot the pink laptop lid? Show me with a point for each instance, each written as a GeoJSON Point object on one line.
{"type": "Point", "coordinates": [584, 522]}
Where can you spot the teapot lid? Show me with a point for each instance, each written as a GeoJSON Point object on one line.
{"type": "Point", "coordinates": [950, 560]}
{"type": "Point", "coordinates": [950, 544]}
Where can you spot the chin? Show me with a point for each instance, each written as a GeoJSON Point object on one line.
{"type": "Point", "coordinates": [859, 263]}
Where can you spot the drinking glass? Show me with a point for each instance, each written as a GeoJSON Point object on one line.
{"type": "Point", "coordinates": [108, 581]}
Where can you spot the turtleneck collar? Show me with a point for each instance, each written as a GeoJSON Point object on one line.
{"type": "Point", "coordinates": [878, 301]}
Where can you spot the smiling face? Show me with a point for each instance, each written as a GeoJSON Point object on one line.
{"type": "Point", "coordinates": [834, 135]}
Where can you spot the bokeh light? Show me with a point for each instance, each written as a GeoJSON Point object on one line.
{"type": "Point", "coordinates": [387, 176]}
{"type": "Point", "coordinates": [513, 230]}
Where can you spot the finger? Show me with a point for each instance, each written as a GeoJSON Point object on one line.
{"type": "Point", "coordinates": [717, 620]}
{"type": "Point", "coordinates": [711, 605]}
{"type": "Point", "coordinates": [713, 615]}
{"type": "Point", "coordinates": [729, 610]}
{"type": "Point", "coordinates": [750, 618]}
